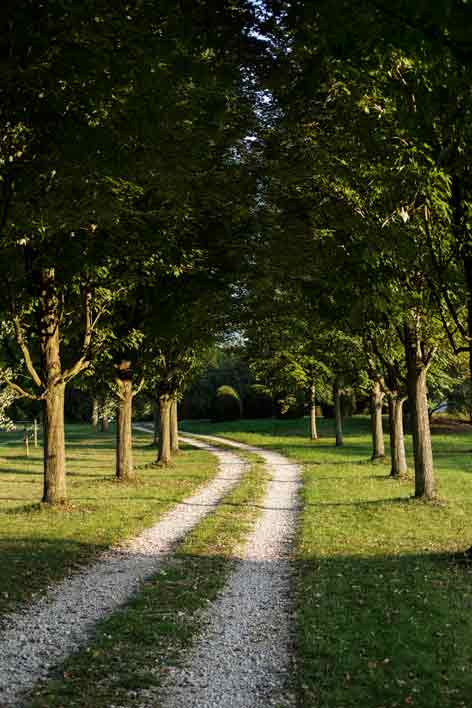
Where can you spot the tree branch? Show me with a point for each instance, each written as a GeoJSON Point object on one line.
{"type": "Point", "coordinates": [21, 391]}
{"type": "Point", "coordinates": [89, 326]}
{"type": "Point", "coordinates": [26, 352]}
{"type": "Point", "coordinates": [139, 386]}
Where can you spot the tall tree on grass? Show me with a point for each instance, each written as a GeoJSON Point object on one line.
{"type": "Point", "coordinates": [101, 109]}
{"type": "Point", "coordinates": [353, 133]}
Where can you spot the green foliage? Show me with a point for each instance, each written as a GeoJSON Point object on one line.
{"type": "Point", "coordinates": [227, 404]}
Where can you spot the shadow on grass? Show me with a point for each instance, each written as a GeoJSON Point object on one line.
{"type": "Point", "coordinates": [385, 631]}
{"type": "Point", "coordinates": [33, 473]}
{"type": "Point", "coordinates": [395, 501]}
{"type": "Point", "coordinates": [30, 565]}
{"type": "Point", "coordinates": [370, 631]}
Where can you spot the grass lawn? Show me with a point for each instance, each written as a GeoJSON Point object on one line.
{"type": "Point", "coordinates": [39, 545]}
{"type": "Point", "coordinates": [383, 612]}
{"type": "Point", "coordinates": [138, 645]}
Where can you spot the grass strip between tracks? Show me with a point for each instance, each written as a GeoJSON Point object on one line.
{"type": "Point", "coordinates": [138, 645]}
{"type": "Point", "coordinates": [384, 597]}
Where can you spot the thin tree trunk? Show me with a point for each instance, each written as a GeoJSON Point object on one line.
{"type": "Point", "coordinates": [124, 414]}
{"type": "Point", "coordinates": [337, 393]}
{"type": "Point", "coordinates": [156, 422]}
{"type": "Point", "coordinates": [95, 407]}
{"type": "Point", "coordinates": [105, 424]}
{"type": "Point", "coordinates": [54, 456]}
{"type": "Point", "coordinates": [164, 453]}
{"type": "Point", "coordinates": [418, 397]}
{"type": "Point", "coordinates": [376, 403]}
{"type": "Point", "coordinates": [174, 427]}
{"type": "Point", "coordinates": [397, 440]}
{"type": "Point", "coordinates": [313, 427]}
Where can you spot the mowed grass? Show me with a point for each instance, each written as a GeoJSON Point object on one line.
{"type": "Point", "coordinates": [39, 545]}
{"type": "Point", "coordinates": [383, 605]}
{"type": "Point", "coordinates": [135, 648]}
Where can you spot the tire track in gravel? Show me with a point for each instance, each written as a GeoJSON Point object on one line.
{"type": "Point", "coordinates": [40, 636]}
{"type": "Point", "coordinates": [243, 657]}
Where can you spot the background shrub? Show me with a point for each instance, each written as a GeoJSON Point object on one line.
{"type": "Point", "coordinates": [227, 404]}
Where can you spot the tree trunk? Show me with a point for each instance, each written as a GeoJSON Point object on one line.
{"type": "Point", "coordinates": [313, 428]}
{"type": "Point", "coordinates": [174, 427]}
{"type": "Point", "coordinates": [124, 414]}
{"type": "Point", "coordinates": [95, 407]}
{"type": "Point", "coordinates": [337, 393]}
{"type": "Point", "coordinates": [418, 397]}
{"type": "Point", "coordinates": [397, 440]}
{"type": "Point", "coordinates": [156, 422]}
{"type": "Point", "coordinates": [164, 453]}
{"type": "Point", "coordinates": [54, 456]}
{"type": "Point", "coordinates": [105, 424]}
{"type": "Point", "coordinates": [376, 402]}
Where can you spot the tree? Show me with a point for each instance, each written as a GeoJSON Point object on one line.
{"type": "Point", "coordinates": [124, 121]}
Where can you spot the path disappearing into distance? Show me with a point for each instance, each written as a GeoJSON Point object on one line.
{"type": "Point", "coordinates": [242, 657]}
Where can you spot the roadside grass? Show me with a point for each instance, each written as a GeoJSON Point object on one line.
{"type": "Point", "coordinates": [383, 605]}
{"type": "Point", "coordinates": [40, 545]}
{"type": "Point", "coordinates": [135, 648]}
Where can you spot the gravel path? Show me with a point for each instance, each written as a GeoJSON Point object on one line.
{"type": "Point", "coordinates": [242, 659]}
{"type": "Point", "coordinates": [46, 632]}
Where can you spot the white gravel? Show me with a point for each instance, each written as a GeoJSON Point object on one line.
{"type": "Point", "coordinates": [35, 640]}
{"type": "Point", "coordinates": [243, 657]}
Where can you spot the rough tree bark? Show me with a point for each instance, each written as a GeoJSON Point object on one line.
{"type": "Point", "coordinates": [124, 414]}
{"type": "Point", "coordinates": [397, 440]}
{"type": "Point", "coordinates": [54, 457]}
{"type": "Point", "coordinates": [164, 452]}
{"type": "Point", "coordinates": [313, 427]}
{"type": "Point", "coordinates": [174, 427]}
{"type": "Point", "coordinates": [417, 371]}
{"type": "Point", "coordinates": [52, 379]}
{"type": "Point", "coordinates": [376, 403]}
{"type": "Point", "coordinates": [337, 393]}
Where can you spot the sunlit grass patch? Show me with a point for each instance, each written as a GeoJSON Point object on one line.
{"type": "Point", "coordinates": [39, 545]}
{"type": "Point", "coordinates": [383, 607]}
{"type": "Point", "coordinates": [137, 646]}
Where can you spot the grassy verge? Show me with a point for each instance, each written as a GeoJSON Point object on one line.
{"type": "Point", "coordinates": [383, 612]}
{"type": "Point", "coordinates": [138, 645]}
{"type": "Point", "coordinates": [39, 545]}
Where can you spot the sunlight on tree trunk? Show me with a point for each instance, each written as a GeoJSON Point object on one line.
{"type": "Point", "coordinates": [124, 439]}
{"type": "Point", "coordinates": [174, 427]}
{"type": "Point", "coordinates": [54, 491]}
{"type": "Point", "coordinates": [418, 397]}
{"type": "Point", "coordinates": [164, 453]}
{"type": "Point", "coordinates": [397, 440]}
{"type": "Point", "coordinates": [54, 460]}
{"type": "Point", "coordinates": [376, 403]}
